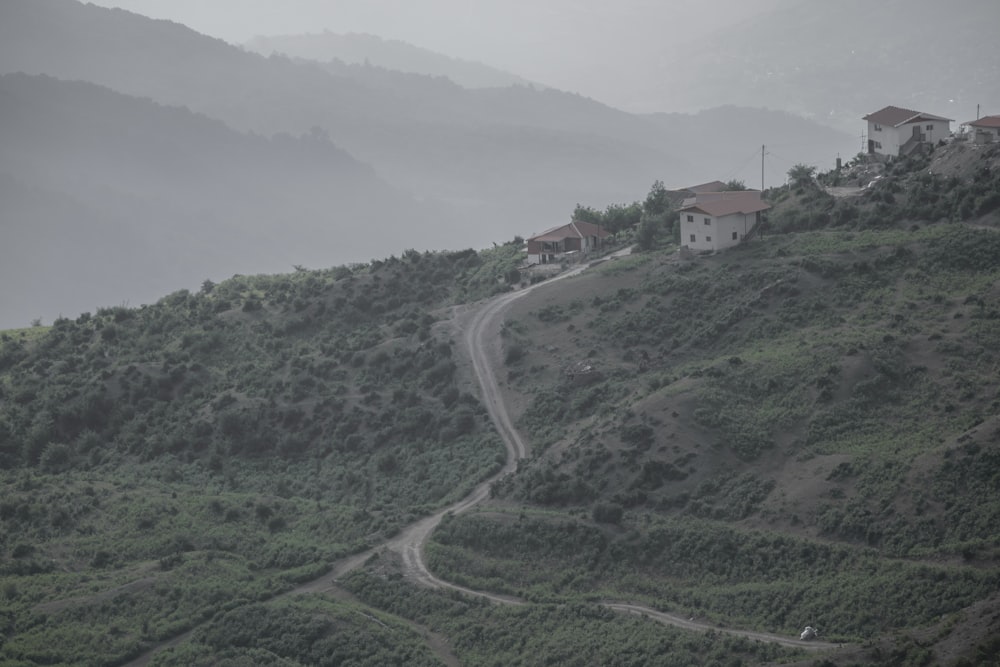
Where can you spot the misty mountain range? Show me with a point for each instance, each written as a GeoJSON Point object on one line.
{"type": "Point", "coordinates": [830, 61]}
{"type": "Point", "coordinates": [391, 54]}
{"type": "Point", "coordinates": [187, 158]}
{"type": "Point", "coordinates": [106, 196]}
{"type": "Point", "coordinates": [835, 61]}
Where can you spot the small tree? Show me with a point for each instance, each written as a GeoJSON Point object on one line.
{"type": "Point", "coordinates": [618, 217]}
{"type": "Point", "coordinates": [736, 185]}
{"type": "Point", "coordinates": [587, 214]}
{"type": "Point", "coordinates": [657, 201]}
{"type": "Point", "coordinates": [646, 235]}
{"type": "Point", "coordinates": [801, 175]}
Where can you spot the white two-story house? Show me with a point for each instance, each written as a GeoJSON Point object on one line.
{"type": "Point", "coordinates": [893, 131]}
{"type": "Point", "coordinates": [717, 220]}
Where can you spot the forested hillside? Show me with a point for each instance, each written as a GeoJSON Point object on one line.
{"type": "Point", "coordinates": [216, 447]}
{"type": "Point", "coordinates": [802, 430]}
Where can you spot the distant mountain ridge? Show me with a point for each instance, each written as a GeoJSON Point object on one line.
{"type": "Point", "coordinates": [107, 198]}
{"type": "Point", "coordinates": [425, 155]}
{"type": "Point", "coordinates": [420, 133]}
{"type": "Point", "coordinates": [837, 61]}
{"type": "Point", "coordinates": [458, 167]}
{"type": "Point", "coordinates": [357, 49]}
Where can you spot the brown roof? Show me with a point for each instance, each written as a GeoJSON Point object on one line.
{"type": "Point", "coordinates": [896, 116]}
{"type": "Point", "coordinates": [680, 194]}
{"type": "Point", "coordinates": [726, 203]}
{"type": "Point", "coordinates": [576, 229]}
{"type": "Point", "coordinates": [985, 121]}
{"type": "Point", "coordinates": [711, 186]}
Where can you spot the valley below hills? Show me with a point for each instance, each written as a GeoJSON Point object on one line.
{"type": "Point", "coordinates": [800, 430]}
{"type": "Point", "coordinates": [280, 385]}
{"type": "Point", "coordinates": [201, 159]}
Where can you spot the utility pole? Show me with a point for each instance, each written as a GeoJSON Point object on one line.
{"type": "Point", "coordinates": [760, 224]}
{"type": "Point", "coordinates": [762, 168]}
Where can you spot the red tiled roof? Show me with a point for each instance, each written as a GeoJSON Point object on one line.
{"type": "Point", "coordinates": [896, 116]}
{"type": "Point", "coordinates": [726, 203]}
{"type": "Point", "coordinates": [985, 121]}
{"type": "Point", "coordinates": [711, 186]}
{"type": "Point", "coordinates": [576, 229]}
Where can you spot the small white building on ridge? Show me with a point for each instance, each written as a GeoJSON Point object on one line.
{"type": "Point", "coordinates": [894, 131]}
{"type": "Point", "coordinates": [716, 220]}
{"type": "Point", "coordinates": [554, 245]}
{"type": "Point", "coordinates": [984, 130]}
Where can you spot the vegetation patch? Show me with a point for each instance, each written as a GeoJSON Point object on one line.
{"type": "Point", "coordinates": [754, 579]}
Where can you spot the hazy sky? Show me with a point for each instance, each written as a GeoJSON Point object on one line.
{"type": "Point", "coordinates": [569, 44]}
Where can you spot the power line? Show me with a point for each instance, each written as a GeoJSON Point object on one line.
{"type": "Point", "coordinates": [732, 173]}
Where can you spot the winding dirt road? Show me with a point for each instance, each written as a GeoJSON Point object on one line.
{"type": "Point", "coordinates": [480, 334]}
{"type": "Point", "coordinates": [481, 331]}
{"type": "Point", "coordinates": [691, 624]}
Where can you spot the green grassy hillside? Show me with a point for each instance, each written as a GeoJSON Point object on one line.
{"type": "Point", "coordinates": [165, 464]}
{"type": "Point", "coordinates": [800, 430]}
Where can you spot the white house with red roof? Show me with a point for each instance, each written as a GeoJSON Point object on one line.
{"type": "Point", "coordinates": [984, 130]}
{"type": "Point", "coordinates": [894, 131]}
{"type": "Point", "coordinates": [715, 220]}
{"type": "Point", "coordinates": [556, 244]}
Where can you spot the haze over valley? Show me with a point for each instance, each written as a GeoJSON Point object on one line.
{"type": "Point", "coordinates": [444, 166]}
{"type": "Point", "coordinates": [431, 150]}
{"type": "Point", "coordinates": [385, 333]}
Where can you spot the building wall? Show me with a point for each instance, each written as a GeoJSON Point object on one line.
{"type": "Point", "coordinates": [889, 139]}
{"type": "Point", "coordinates": [696, 234]}
{"type": "Point", "coordinates": [541, 253]}
{"type": "Point", "coordinates": [886, 138]}
{"type": "Point", "coordinates": [732, 229]}
{"type": "Point", "coordinates": [720, 232]}
{"type": "Point", "coordinates": [984, 135]}
{"type": "Point", "coordinates": [935, 130]}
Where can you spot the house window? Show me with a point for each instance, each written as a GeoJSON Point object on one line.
{"type": "Point", "coordinates": [734, 236]}
{"type": "Point", "coordinates": [878, 144]}
{"type": "Point", "coordinates": [708, 221]}
{"type": "Point", "coordinates": [930, 128]}
{"type": "Point", "coordinates": [878, 128]}
{"type": "Point", "coordinates": [690, 218]}
{"type": "Point", "coordinates": [708, 239]}
{"type": "Point", "coordinates": [692, 238]}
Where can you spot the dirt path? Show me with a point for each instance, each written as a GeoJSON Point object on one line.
{"type": "Point", "coordinates": [480, 334]}
{"type": "Point", "coordinates": [691, 624]}
{"type": "Point", "coordinates": [480, 328]}
{"type": "Point", "coordinates": [844, 192]}
{"type": "Point", "coordinates": [478, 331]}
